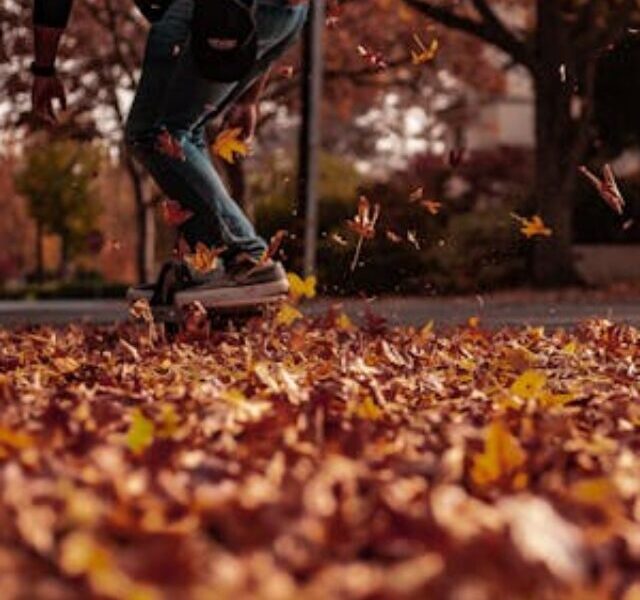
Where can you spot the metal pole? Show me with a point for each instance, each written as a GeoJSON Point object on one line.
{"type": "Point", "coordinates": [310, 130]}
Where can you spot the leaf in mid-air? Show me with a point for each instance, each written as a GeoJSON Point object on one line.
{"type": "Point", "coordinates": [287, 315]}
{"type": "Point", "coordinates": [532, 227]}
{"type": "Point", "coordinates": [302, 288]}
{"type": "Point", "coordinates": [229, 146]}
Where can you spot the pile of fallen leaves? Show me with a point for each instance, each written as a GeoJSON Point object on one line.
{"type": "Point", "coordinates": [320, 459]}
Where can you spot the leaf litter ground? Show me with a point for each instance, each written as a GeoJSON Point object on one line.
{"type": "Point", "coordinates": [317, 459]}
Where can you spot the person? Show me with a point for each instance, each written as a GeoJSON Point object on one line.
{"type": "Point", "coordinates": [173, 102]}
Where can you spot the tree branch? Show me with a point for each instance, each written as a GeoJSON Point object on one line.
{"type": "Point", "coordinates": [489, 29]}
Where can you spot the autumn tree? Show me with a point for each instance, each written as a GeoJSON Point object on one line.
{"type": "Point", "coordinates": [57, 180]}
{"type": "Point", "coordinates": [559, 43]}
{"type": "Point", "coordinates": [100, 56]}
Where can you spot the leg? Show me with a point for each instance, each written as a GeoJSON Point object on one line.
{"type": "Point", "coordinates": [186, 98]}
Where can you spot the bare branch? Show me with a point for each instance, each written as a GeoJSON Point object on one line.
{"type": "Point", "coordinates": [489, 29]}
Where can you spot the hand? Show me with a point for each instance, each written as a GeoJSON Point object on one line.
{"type": "Point", "coordinates": [244, 116]}
{"type": "Point", "coordinates": [45, 91]}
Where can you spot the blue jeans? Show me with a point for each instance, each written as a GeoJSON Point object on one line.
{"type": "Point", "coordinates": [172, 96]}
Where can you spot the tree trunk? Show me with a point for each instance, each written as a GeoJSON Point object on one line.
{"type": "Point", "coordinates": [145, 224]}
{"type": "Point", "coordinates": [39, 253]}
{"type": "Point", "coordinates": [63, 269]}
{"type": "Point", "coordinates": [557, 157]}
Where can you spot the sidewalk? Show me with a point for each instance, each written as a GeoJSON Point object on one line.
{"type": "Point", "coordinates": [548, 309]}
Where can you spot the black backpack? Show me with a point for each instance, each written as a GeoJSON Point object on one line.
{"type": "Point", "coordinates": [224, 39]}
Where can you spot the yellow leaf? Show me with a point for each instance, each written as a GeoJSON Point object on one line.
{"type": "Point", "coordinates": [424, 54]}
{"type": "Point", "coordinates": [368, 409]}
{"type": "Point", "coordinates": [596, 491]}
{"type": "Point", "coordinates": [427, 330]}
{"type": "Point", "coordinates": [533, 226]}
{"type": "Point", "coordinates": [66, 364]}
{"type": "Point", "coordinates": [15, 439]}
{"type": "Point", "coordinates": [287, 315]}
{"type": "Point", "coordinates": [502, 458]}
{"type": "Point", "coordinates": [228, 145]}
{"type": "Point", "coordinates": [302, 288]}
{"type": "Point", "coordinates": [529, 385]}
{"type": "Point", "coordinates": [571, 347]}
{"type": "Point", "coordinates": [233, 396]}
{"type": "Point", "coordinates": [344, 323]}
{"type": "Point", "coordinates": [548, 399]}
{"type": "Point", "coordinates": [168, 421]}
{"type": "Point", "coordinates": [140, 434]}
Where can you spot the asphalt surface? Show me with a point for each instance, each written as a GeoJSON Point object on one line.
{"type": "Point", "coordinates": [492, 312]}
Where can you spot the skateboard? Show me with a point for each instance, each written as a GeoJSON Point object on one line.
{"type": "Point", "coordinates": [218, 312]}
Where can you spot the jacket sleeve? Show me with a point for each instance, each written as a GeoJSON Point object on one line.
{"type": "Point", "coordinates": [52, 13]}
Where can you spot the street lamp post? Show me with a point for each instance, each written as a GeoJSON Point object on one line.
{"type": "Point", "coordinates": [310, 135]}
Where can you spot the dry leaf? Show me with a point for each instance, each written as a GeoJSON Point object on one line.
{"type": "Point", "coordinates": [228, 145]}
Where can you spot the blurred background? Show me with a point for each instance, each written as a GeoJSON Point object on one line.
{"type": "Point", "coordinates": [453, 116]}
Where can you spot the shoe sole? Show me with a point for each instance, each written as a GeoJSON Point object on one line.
{"type": "Point", "coordinates": [175, 314]}
{"type": "Point", "coordinates": [246, 295]}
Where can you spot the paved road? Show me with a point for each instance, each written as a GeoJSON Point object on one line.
{"type": "Point", "coordinates": [492, 311]}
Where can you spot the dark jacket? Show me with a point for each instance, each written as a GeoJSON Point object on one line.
{"type": "Point", "coordinates": [55, 13]}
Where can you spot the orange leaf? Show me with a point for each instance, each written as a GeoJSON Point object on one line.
{"type": "Point", "coordinates": [204, 259]}
{"type": "Point", "coordinates": [532, 227]}
{"type": "Point", "coordinates": [173, 213]}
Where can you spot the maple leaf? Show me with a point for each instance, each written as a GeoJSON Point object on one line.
{"type": "Point", "coordinates": [204, 259]}
{"type": "Point", "coordinates": [228, 145]}
{"type": "Point", "coordinates": [606, 187]}
{"type": "Point", "coordinates": [169, 146]}
{"type": "Point", "coordinates": [424, 54]}
{"type": "Point", "coordinates": [287, 315]}
{"type": "Point", "coordinates": [173, 213]}
{"type": "Point", "coordinates": [532, 227]}
{"type": "Point", "coordinates": [364, 224]}
{"type": "Point", "coordinates": [502, 459]}
{"type": "Point", "coordinates": [140, 433]}
{"type": "Point", "coordinates": [529, 385]}
{"type": "Point", "coordinates": [302, 288]}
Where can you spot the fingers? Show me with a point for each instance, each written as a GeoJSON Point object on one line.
{"type": "Point", "coordinates": [62, 97]}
